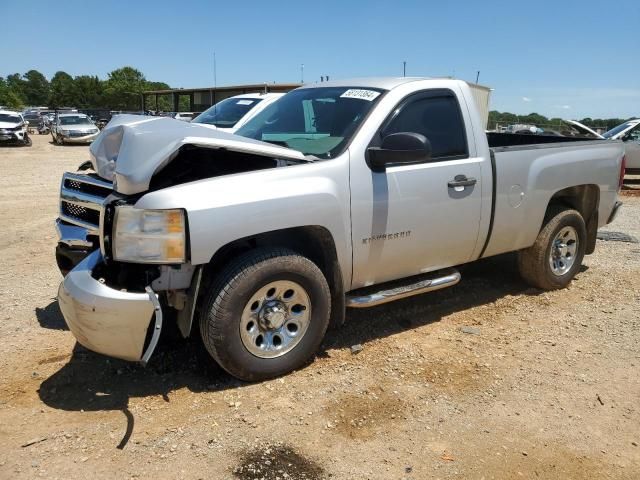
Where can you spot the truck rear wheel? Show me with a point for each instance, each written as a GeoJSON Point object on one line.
{"type": "Point", "coordinates": [556, 256]}
{"type": "Point", "coordinates": [265, 314]}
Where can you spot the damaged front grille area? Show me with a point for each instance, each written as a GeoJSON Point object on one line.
{"type": "Point", "coordinates": [89, 215]}
{"type": "Point", "coordinates": [82, 199]}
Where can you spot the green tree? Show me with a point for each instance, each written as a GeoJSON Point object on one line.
{"type": "Point", "coordinates": [15, 85]}
{"type": "Point", "coordinates": [534, 119]}
{"type": "Point", "coordinates": [123, 89]}
{"type": "Point", "coordinates": [9, 98]}
{"type": "Point", "coordinates": [89, 91]}
{"type": "Point", "coordinates": [63, 91]}
{"type": "Point", "coordinates": [35, 88]}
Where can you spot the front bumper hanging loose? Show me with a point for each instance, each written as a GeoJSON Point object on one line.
{"type": "Point", "coordinates": [106, 320]}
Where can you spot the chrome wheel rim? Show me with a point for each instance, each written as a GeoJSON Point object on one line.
{"type": "Point", "coordinates": [563, 251]}
{"type": "Point", "coordinates": [275, 319]}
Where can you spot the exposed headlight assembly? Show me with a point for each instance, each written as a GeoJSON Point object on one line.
{"type": "Point", "coordinates": [149, 236]}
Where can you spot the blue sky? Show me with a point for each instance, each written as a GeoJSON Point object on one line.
{"type": "Point", "coordinates": [560, 58]}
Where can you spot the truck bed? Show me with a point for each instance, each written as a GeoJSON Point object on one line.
{"type": "Point", "coordinates": [528, 169]}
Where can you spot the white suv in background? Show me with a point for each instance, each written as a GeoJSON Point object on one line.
{"type": "Point", "coordinates": [231, 113]}
{"type": "Point", "coordinates": [13, 128]}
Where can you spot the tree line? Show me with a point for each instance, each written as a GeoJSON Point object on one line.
{"type": "Point", "coordinates": [123, 88]}
{"type": "Point", "coordinates": [120, 91]}
{"type": "Point", "coordinates": [505, 118]}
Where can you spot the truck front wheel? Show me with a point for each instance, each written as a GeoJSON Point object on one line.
{"type": "Point", "coordinates": [265, 314]}
{"type": "Point", "coordinates": [556, 256]}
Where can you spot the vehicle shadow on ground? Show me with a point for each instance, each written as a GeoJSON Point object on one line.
{"type": "Point", "coordinates": [91, 382]}
{"type": "Point", "coordinates": [483, 282]}
{"type": "Point", "coordinates": [51, 142]}
{"type": "Point", "coordinates": [51, 317]}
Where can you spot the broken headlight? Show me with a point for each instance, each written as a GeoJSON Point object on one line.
{"type": "Point", "coordinates": [149, 236]}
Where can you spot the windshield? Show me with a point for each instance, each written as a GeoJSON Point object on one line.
{"type": "Point", "coordinates": [314, 121]}
{"type": "Point", "coordinates": [10, 118]}
{"type": "Point", "coordinates": [75, 121]}
{"type": "Point", "coordinates": [228, 112]}
{"type": "Point", "coordinates": [616, 130]}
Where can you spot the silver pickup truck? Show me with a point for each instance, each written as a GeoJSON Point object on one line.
{"type": "Point", "coordinates": [340, 194]}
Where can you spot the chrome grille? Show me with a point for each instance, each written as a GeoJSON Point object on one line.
{"type": "Point", "coordinates": [81, 213]}
{"type": "Point", "coordinates": [82, 198]}
{"type": "Point", "coordinates": [80, 134]}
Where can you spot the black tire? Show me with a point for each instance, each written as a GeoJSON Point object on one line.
{"type": "Point", "coordinates": [27, 141]}
{"type": "Point", "coordinates": [227, 297]}
{"type": "Point", "coordinates": [533, 262]}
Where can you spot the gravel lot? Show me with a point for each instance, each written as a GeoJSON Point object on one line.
{"type": "Point", "coordinates": [488, 379]}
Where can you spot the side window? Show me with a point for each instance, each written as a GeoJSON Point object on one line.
{"type": "Point", "coordinates": [439, 119]}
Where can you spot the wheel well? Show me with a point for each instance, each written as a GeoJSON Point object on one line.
{"type": "Point", "coordinates": [585, 199]}
{"type": "Point", "coordinates": [313, 242]}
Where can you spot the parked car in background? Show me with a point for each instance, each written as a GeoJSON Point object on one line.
{"type": "Point", "coordinates": [629, 133]}
{"type": "Point", "coordinates": [339, 194]}
{"type": "Point", "coordinates": [13, 128]}
{"type": "Point", "coordinates": [232, 113]}
{"type": "Point", "coordinates": [33, 117]}
{"type": "Point", "coordinates": [73, 128]}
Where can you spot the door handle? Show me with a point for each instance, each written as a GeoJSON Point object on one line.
{"type": "Point", "coordinates": [462, 181]}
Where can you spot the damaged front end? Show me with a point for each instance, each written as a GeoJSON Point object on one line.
{"type": "Point", "coordinates": [107, 320]}
{"type": "Point", "coordinates": [111, 307]}
{"type": "Point", "coordinates": [126, 267]}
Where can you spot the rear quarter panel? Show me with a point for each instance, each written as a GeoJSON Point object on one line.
{"type": "Point", "coordinates": [528, 176]}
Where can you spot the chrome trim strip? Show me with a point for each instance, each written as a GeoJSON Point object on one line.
{"type": "Point", "coordinates": [101, 229]}
{"type": "Point", "coordinates": [157, 327]}
{"type": "Point", "coordinates": [85, 200]}
{"type": "Point", "coordinates": [72, 235]}
{"type": "Point", "coordinates": [449, 278]}
{"type": "Point", "coordinates": [91, 228]}
{"type": "Point", "coordinates": [83, 178]}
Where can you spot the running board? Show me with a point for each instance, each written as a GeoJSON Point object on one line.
{"type": "Point", "coordinates": [446, 278]}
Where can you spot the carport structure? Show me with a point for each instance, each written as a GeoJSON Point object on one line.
{"type": "Point", "coordinates": [202, 98]}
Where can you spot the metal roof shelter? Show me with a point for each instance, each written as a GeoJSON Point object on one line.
{"type": "Point", "coordinates": [202, 98]}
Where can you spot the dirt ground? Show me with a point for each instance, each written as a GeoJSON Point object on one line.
{"type": "Point", "coordinates": [488, 379]}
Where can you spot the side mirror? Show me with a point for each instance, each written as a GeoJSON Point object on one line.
{"type": "Point", "coordinates": [26, 122]}
{"type": "Point", "coordinates": [402, 148]}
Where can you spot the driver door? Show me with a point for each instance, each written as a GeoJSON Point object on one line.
{"type": "Point", "coordinates": [408, 220]}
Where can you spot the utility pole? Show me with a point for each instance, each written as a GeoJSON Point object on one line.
{"type": "Point", "coordinates": [302, 73]}
{"type": "Point", "coordinates": [404, 68]}
{"type": "Point", "coordinates": [215, 79]}
{"type": "Point", "coordinates": [477, 77]}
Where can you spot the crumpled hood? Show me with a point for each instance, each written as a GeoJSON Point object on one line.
{"type": "Point", "coordinates": [132, 148]}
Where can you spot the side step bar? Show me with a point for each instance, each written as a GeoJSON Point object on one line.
{"type": "Point", "coordinates": [446, 278]}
